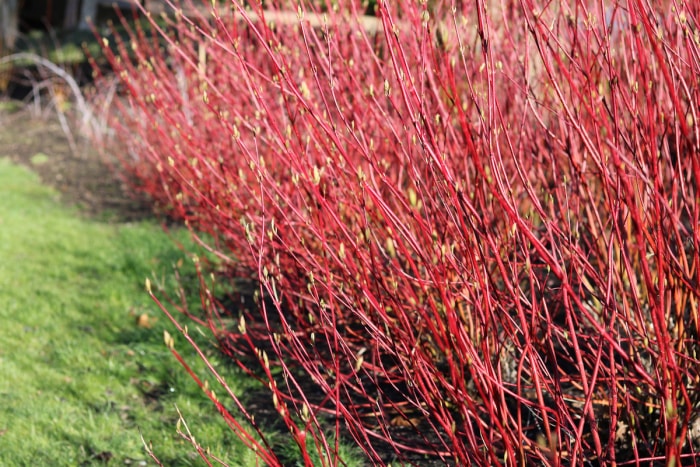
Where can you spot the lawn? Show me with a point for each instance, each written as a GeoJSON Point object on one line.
{"type": "Point", "coordinates": [85, 370]}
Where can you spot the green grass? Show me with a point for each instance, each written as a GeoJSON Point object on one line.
{"type": "Point", "coordinates": [81, 381]}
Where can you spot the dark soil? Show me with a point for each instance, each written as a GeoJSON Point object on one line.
{"type": "Point", "coordinates": [81, 177]}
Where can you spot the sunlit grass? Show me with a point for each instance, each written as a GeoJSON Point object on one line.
{"type": "Point", "coordinates": [81, 380]}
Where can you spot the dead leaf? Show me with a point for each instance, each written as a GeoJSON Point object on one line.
{"type": "Point", "coordinates": [402, 422]}
{"type": "Point", "coordinates": [621, 431]}
{"type": "Point", "coordinates": [145, 321]}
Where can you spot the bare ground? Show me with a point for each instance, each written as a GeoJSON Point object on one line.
{"type": "Point", "coordinates": [81, 176]}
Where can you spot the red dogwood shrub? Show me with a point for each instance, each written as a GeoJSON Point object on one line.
{"type": "Point", "coordinates": [471, 226]}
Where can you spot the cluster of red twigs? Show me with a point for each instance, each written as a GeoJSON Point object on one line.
{"type": "Point", "coordinates": [473, 224]}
